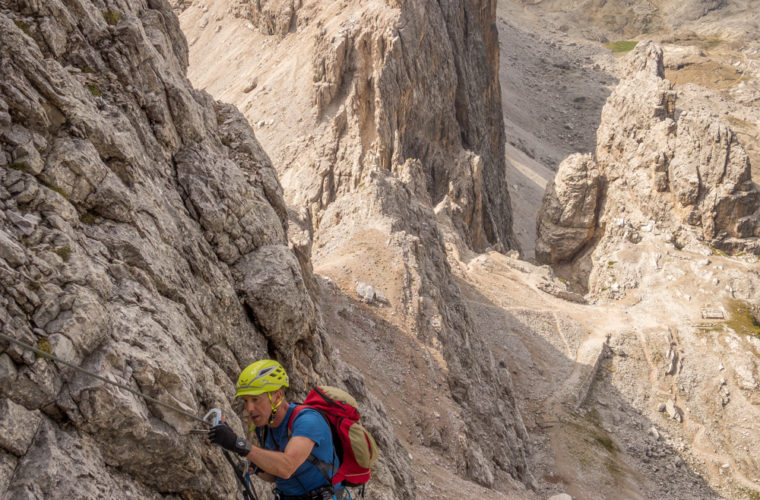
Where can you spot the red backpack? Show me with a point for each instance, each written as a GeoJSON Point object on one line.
{"type": "Point", "coordinates": [354, 446]}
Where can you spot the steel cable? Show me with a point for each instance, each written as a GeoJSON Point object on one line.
{"type": "Point", "coordinates": [99, 377]}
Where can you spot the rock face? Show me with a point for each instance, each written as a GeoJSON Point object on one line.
{"type": "Point", "coordinates": [143, 236]}
{"type": "Point", "coordinates": [384, 123]}
{"type": "Point", "coordinates": [684, 171]}
{"type": "Point", "coordinates": [567, 219]}
{"type": "Point", "coordinates": [368, 117]}
{"type": "Point", "coordinates": [694, 159]}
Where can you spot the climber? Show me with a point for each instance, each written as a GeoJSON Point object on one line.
{"type": "Point", "coordinates": [285, 456]}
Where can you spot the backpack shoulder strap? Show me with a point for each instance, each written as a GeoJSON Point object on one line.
{"type": "Point", "coordinates": [325, 468]}
{"type": "Point", "coordinates": [293, 415]}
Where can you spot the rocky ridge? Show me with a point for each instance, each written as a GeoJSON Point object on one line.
{"type": "Point", "coordinates": [686, 172]}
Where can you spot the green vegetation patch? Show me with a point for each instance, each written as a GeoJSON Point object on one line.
{"type": "Point", "coordinates": [43, 345]}
{"type": "Point", "coordinates": [23, 26]}
{"type": "Point", "coordinates": [88, 218]}
{"type": "Point", "coordinates": [590, 444]}
{"type": "Point", "coordinates": [593, 430]}
{"type": "Point", "coordinates": [111, 17]}
{"type": "Point", "coordinates": [605, 441]}
{"type": "Point", "coordinates": [719, 252]}
{"type": "Point", "coordinates": [19, 165]}
{"type": "Point", "coordinates": [622, 46]}
{"type": "Point", "coordinates": [94, 90]}
{"type": "Point", "coordinates": [64, 253]}
{"type": "Point", "coordinates": [56, 189]}
{"type": "Point", "coordinates": [711, 43]}
{"type": "Point", "coordinates": [742, 321]}
{"type": "Point", "coordinates": [750, 494]}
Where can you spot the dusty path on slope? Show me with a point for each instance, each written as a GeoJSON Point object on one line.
{"type": "Point", "coordinates": [554, 354]}
{"type": "Point", "coordinates": [596, 433]}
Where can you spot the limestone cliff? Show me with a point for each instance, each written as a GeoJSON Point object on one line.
{"type": "Point", "coordinates": [143, 236]}
{"type": "Point", "coordinates": [372, 88]}
{"type": "Point", "coordinates": [567, 218]}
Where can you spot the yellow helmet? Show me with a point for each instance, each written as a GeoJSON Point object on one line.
{"type": "Point", "coordinates": [262, 376]}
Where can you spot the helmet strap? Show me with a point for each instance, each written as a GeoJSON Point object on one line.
{"type": "Point", "coordinates": [274, 408]}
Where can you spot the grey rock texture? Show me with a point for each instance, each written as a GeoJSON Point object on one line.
{"type": "Point", "coordinates": [143, 236]}
{"type": "Point", "coordinates": [17, 438]}
{"type": "Point", "coordinates": [567, 219]}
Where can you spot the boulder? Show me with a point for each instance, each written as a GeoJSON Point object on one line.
{"type": "Point", "coordinates": [567, 217]}
{"type": "Point", "coordinates": [17, 427]}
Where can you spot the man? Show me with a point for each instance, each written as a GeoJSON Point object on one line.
{"type": "Point", "coordinates": [301, 462]}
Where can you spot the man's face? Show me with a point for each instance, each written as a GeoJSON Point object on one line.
{"type": "Point", "coordinates": [258, 408]}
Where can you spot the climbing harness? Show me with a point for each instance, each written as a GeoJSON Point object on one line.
{"type": "Point", "coordinates": [215, 413]}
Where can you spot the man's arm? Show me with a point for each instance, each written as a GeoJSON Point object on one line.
{"type": "Point", "coordinates": [278, 463]}
{"type": "Point", "coordinates": [282, 464]}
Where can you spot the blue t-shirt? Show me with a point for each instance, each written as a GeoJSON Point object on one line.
{"type": "Point", "coordinates": [308, 423]}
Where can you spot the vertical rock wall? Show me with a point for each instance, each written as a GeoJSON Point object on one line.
{"type": "Point", "coordinates": [143, 236]}
{"type": "Point", "coordinates": [417, 82]}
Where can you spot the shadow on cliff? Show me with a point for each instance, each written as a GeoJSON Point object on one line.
{"type": "Point", "coordinates": [588, 440]}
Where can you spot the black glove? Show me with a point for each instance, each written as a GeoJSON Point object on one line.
{"type": "Point", "coordinates": [222, 435]}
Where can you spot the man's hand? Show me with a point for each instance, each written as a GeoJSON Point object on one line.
{"type": "Point", "coordinates": [222, 435]}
